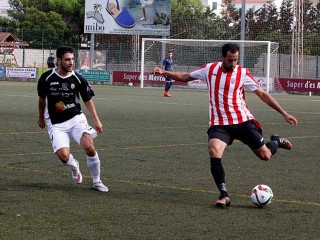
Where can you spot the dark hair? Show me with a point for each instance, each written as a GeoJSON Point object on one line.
{"type": "Point", "coordinates": [229, 47]}
{"type": "Point", "coordinates": [64, 49]}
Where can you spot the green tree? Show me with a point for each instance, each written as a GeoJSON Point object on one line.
{"type": "Point", "coordinates": [311, 21]}
{"type": "Point", "coordinates": [230, 17]}
{"type": "Point", "coordinates": [309, 18]}
{"type": "Point", "coordinates": [7, 23]}
{"type": "Point", "coordinates": [312, 36]}
{"type": "Point", "coordinates": [285, 17]}
{"type": "Point", "coordinates": [185, 15]}
{"type": "Point", "coordinates": [265, 26]}
{"type": "Point", "coordinates": [191, 20]}
{"type": "Point", "coordinates": [72, 12]}
{"type": "Point", "coordinates": [50, 15]}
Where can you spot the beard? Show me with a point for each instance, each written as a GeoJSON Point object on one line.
{"type": "Point", "coordinates": [228, 68]}
{"type": "Point", "coordinates": [65, 69]}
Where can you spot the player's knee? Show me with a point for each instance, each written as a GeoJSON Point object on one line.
{"type": "Point", "coordinates": [64, 157]}
{"type": "Point", "coordinates": [214, 152]}
{"type": "Point", "coordinates": [90, 150]}
{"type": "Point", "coordinates": [263, 153]}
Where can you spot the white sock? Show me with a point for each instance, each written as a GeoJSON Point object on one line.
{"type": "Point", "coordinates": [94, 167]}
{"type": "Point", "coordinates": [72, 163]}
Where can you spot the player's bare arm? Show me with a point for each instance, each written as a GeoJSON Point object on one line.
{"type": "Point", "coordinates": [42, 106]}
{"type": "Point", "coordinates": [94, 116]}
{"type": "Point", "coordinates": [268, 99]}
{"type": "Point", "coordinates": [178, 76]}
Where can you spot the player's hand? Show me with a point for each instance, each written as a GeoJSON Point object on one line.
{"type": "Point", "coordinates": [98, 126]}
{"type": "Point", "coordinates": [291, 119]}
{"type": "Point", "coordinates": [41, 123]}
{"type": "Point", "coordinates": [157, 71]}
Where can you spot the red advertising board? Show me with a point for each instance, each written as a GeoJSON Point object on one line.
{"type": "Point", "coordinates": [134, 77]}
{"type": "Point", "coordinates": [300, 85]}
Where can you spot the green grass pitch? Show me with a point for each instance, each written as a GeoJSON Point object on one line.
{"type": "Point", "coordinates": [154, 159]}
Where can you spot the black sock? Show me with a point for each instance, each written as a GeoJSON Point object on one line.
{"type": "Point", "coordinates": [273, 146]}
{"type": "Point", "coordinates": [218, 175]}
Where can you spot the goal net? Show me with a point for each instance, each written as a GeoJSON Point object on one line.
{"type": "Point", "coordinates": [260, 57]}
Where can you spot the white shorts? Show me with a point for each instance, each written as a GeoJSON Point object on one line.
{"type": "Point", "coordinates": [60, 134]}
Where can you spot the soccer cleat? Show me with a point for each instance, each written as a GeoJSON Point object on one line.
{"type": "Point", "coordinates": [76, 174]}
{"type": "Point", "coordinates": [166, 94]}
{"type": "Point", "coordinates": [282, 142]}
{"type": "Point", "coordinates": [223, 202]}
{"type": "Point", "coordinates": [142, 19]}
{"type": "Point", "coordinates": [100, 187]}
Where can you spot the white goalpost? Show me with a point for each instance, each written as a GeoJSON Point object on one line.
{"type": "Point", "coordinates": [260, 57]}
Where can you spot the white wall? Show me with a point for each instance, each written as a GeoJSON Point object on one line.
{"type": "Point", "coordinates": [209, 3]}
{"type": "Point", "coordinates": [238, 4]}
{"type": "Point", "coordinates": [4, 6]}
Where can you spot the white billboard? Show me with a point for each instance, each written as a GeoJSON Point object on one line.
{"type": "Point", "coordinates": [21, 72]}
{"type": "Point", "coordinates": [130, 17]}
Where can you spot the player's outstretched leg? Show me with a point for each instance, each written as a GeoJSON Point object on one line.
{"type": "Point", "coordinates": [282, 142]}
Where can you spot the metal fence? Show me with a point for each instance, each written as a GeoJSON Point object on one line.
{"type": "Point", "coordinates": [116, 52]}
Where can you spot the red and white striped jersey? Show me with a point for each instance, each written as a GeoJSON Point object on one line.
{"type": "Point", "coordinates": [227, 104]}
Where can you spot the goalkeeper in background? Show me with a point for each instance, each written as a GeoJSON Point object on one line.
{"type": "Point", "coordinates": [230, 117]}
{"type": "Point", "coordinates": [167, 66]}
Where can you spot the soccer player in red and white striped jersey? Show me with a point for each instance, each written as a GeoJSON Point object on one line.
{"type": "Point", "coordinates": [230, 117]}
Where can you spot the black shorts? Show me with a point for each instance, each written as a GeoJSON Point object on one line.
{"type": "Point", "coordinates": [248, 132]}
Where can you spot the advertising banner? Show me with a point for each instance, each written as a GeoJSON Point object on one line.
{"type": "Point", "coordinates": [260, 80]}
{"type": "Point", "coordinates": [198, 84]}
{"type": "Point", "coordinates": [95, 75]}
{"type": "Point", "coordinates": [129, 17]}
{"type": "Point", "coordinates": [300, 85]}
{"type": "Point", "coordinates": [134, 77]}
{"type": "Point", "coordinates": [21, 72]}
{"type": "Point", "coordinates": [1, 72]}
{"type": "Point", "coordinates": [263, 82]}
